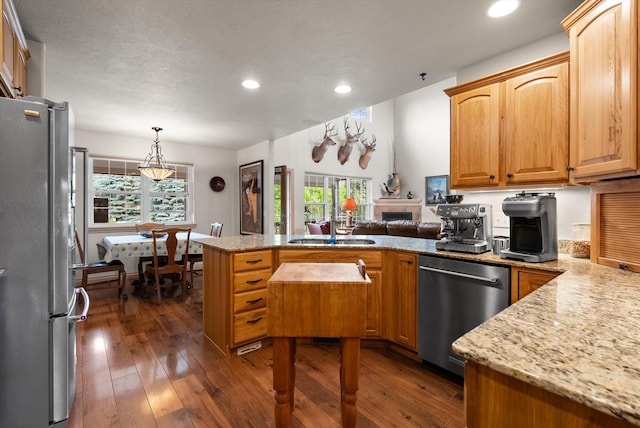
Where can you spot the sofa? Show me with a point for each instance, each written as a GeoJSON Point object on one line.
{"type": "Point", "coordinates": [408, 228]}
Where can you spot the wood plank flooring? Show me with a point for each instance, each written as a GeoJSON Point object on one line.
{"type": "Point", "coordinates": [143, 365]}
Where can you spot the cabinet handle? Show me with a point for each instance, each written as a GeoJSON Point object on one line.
{"type": "Point", "coordinates": [570, 168]}
{"type": "Point", "coordinates": [491, 177]}
{"type": "Point", "coordinates": [19, 89]}
{"type": "Point", "coordinates": [253, 262]}
{"type": "Point", "coordinates": [255, 320]}
{"type": "Point", "coordinates": [253, 281]}
{"type": "Point", "coordinates": [509, 175]}
{"type": "Point", "coordinates": [251, 302]}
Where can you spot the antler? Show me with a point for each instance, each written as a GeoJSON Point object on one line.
{"type": "Point", "coordinates": [319, 150]}
{"type": "Point", "coordinates": [345, 150]}
{"type": "Point", "coordinates": [369, 148]}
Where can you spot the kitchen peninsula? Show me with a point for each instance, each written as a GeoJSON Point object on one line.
{"type": "Point", "coordinates": [576, 338]}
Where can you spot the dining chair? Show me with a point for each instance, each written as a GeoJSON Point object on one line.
{"type": "Point", "coordinates": [165, 269]}
{"type": "Point", "coordinates": [145, 228]}
{"type": "Point", "coordinates": [216, 231]}
{"type": "Point", "coordinates": [101, 267]}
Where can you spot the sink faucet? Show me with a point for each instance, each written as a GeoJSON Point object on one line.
{"type": "Point", "coordinates": [334, 208]}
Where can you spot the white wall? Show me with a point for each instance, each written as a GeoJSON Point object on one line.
{"type": "Point", "coordinates": [422, 127]}
{"type": "Point", "coordinates": [294, 151]}
{"type": "Point", "coordinates": [208, 162]}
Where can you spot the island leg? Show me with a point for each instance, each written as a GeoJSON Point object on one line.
{"type": "Point", "coordinates": [283, 378]}
{"type": "Point", "coordinates": [349, 379]}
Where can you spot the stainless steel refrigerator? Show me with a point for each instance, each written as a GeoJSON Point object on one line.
{"type": "Point", "coordinates": [39, 305]}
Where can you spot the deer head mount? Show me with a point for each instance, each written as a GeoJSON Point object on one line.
{"type": "Point", "coordinates": [318, 151]}
{"type": "Point", "coordinates": [345, 150]}
{"type": "Point", "coordinates": [369, 148]}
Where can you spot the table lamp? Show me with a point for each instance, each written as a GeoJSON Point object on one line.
{"type": "Point", "coordinates": [349, 206]}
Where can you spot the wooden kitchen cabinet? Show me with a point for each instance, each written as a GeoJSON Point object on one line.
{"type": "Point", "coordinates": [494, 399]}
{"type": "Point", "coordinates": [525, 281]}
{"type": "Point", "coordinates": [235, 296]}
{"type": "Point", "coordinates": [14, 53]}
{"type": "Point", "coordinates": [401, 298]}
{"type": "Point", "coordinates": [373, 260]}
{"type": "Point", "coordinates": [475, 137]}
{"type": "Point", "coordinates": [603, 39]}
{"type": "Point", "coordinates": [511, 128]}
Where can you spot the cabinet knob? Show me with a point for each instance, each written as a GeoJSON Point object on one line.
{"type": "Point", "coordinates": [509, 175]}
{"type": "Point", "coordinates": [491, 177]}
{"type": "Point", "coordinates": [570, 168]}
{"type": "Point", "coordinates": [410, 262]}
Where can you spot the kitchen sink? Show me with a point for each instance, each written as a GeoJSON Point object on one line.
{"type": "Point", "coordinates": [328, 241]}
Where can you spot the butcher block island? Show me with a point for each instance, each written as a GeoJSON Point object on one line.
{"type": "Point", "coordinates": [569, 347]}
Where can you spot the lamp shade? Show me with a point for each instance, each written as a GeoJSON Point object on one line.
{"type": "Point", "coordinates": [154, 165]}
{"type": "Point", "coordinates": [349, 205]}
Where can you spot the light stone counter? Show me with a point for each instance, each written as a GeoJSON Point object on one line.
{"type": "Point", "coordinates": [578, 336]}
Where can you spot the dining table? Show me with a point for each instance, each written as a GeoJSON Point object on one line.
{"type": "Point", "coordinates": [141, 247]}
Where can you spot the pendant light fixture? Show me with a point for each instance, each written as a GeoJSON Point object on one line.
{"type": "Point", "coordinates": [154, 165]}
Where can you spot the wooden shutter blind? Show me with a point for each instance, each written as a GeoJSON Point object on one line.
{"type": "Point", "coordinates": [615, 223]}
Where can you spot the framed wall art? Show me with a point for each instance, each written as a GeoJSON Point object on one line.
{"type": "Point", "coordinates": [436, 187]}
{"type": "Point", "coordinates": [251, 221]}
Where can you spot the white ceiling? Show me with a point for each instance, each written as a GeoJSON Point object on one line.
{"type": "Point", "coordinates": [128, 65]}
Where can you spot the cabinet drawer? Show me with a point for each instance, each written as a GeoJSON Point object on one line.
{"type": "Point", "coordinates": [250, 325]}
{"type": "Point", "coordinates": [252, 260]}
{"type": "Point", "coordinates": [251, 280]}
{"type": "Point", "coordinates": [373, 259]}
{"type": "Point", "coordinates": [250, 300]}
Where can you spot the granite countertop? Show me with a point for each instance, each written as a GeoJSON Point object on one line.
{"type": "Point", "coordinates": [578, 336]}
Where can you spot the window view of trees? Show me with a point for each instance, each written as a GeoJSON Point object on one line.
{"type": "Point", "coordinates": [317, 197]}
{"type": "Point", "coordinates": [121, 195]}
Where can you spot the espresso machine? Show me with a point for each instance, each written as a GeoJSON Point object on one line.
{"type": "Point", "coordinates": [465, 227]}
{"type": "Point", "coordinates": [533, 227]}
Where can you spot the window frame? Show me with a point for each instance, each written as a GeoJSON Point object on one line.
{"type": "Point", "coordinates": [364, 206]}
{"type": "Point", "coordinates": [145, 192]}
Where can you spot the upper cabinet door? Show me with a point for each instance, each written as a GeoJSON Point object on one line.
{"type": "Point", "coordinates": [536, 126]}
{"type": "Point", "coordinates": [475, 137]}
{"type": "Point", "coordinates": [603, 118]}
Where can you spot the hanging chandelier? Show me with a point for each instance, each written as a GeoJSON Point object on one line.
{"type": "Point", "coordinates": [154, 165]}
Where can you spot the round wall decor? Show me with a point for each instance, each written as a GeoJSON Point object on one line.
{"type": "Point", "coordinates": [217, 184]}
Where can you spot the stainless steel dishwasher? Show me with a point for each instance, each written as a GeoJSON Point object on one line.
{"type": "Point", "coordinates": [454, 297]}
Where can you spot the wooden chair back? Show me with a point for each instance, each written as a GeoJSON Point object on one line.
{"type": "Point", "coordinates": [216, 230]}
{"type": "Point", "coordinates": [171, 266]}
{"type": "Point", "coordinates": [148, 227]}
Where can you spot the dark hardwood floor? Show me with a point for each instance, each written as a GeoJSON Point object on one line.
{"type": "Point", "coordinates": [143, 365]}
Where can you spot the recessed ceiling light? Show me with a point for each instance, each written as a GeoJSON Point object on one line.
{"type": "Point", "coordinates": [343, 89]}
{"type": "Point", "coordinates": [502, 8]}
{"type": "Point", "coordinates": [250, 84]}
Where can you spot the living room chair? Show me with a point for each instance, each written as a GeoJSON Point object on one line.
{"type": "Point", "coordinates": [216, 231]}
{"type": "Point", "coordinates": [315, 229]}
{"type": "Point", "coordinates": [114, 266]}
{"type": "Point", "coordinates": [160, 270]}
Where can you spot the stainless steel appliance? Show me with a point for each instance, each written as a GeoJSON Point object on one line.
{"type": "Point", "coordinates": [455, 296]}
{"type": "Point", "coordinates": [38, 299]}
{"type": "Point", "coordinates": [533, 227]}
{"type": "Point", "coordinates": [465, 227]}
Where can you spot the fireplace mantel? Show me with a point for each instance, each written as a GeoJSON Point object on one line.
{"type": "Point", "coordinates": [414, 206]}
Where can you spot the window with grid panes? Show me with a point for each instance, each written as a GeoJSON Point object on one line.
{"type": "Point", "coordinates": [317, 197]}
{"type": "Point", "coordinates": [120, 195]}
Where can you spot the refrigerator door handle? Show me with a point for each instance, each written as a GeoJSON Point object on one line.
{"type": "Point", "coordinates": [85, 311]}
